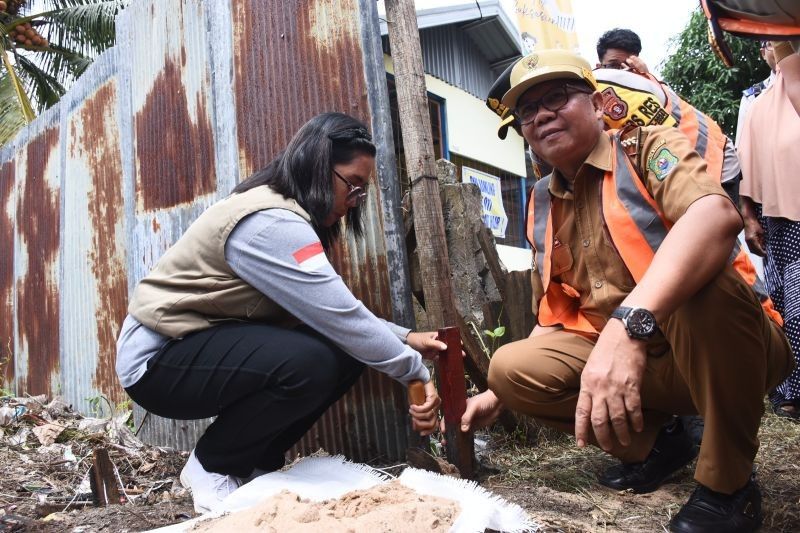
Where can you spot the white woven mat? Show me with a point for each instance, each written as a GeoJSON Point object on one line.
{"type": "Point", "coordinates": [326, 478]}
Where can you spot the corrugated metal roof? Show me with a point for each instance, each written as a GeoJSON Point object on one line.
{"type": "Point", "coordinates": [466, 57]}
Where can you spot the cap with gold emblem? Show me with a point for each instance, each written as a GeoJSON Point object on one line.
{"type": "Point", "coordinates": [545, 65]}
{"type": "Point", "coordinates": [496, 92]}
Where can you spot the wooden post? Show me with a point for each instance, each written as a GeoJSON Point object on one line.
{"type": "Point", "coordinates": [453, 389]}
{"type": "Point", "coordinates": [102, 479]}
{"type": "Point", "coordinates": [415, 125]}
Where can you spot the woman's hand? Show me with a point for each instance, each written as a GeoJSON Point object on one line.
{"type": "Point", "coordinates": [426, 343]}
{"type": "Point", "coordinates": [424, 418]}
{"type": "Point", "coordinates": [754, 236]}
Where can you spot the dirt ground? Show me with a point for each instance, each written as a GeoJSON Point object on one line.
{"type": "Point", "coordinates": [46, 451]}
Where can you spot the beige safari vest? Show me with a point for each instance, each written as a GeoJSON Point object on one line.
{"type": "Point", "coordinates": [192, 287]}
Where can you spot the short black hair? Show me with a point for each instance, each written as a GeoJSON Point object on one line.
{"type": "Point", "coordinates": [621, 39]}
{"type": "Point", "coordinates": [303, 170]}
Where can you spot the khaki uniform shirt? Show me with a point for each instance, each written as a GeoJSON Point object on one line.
{"type": "Point", "coordinates": [587, 259]}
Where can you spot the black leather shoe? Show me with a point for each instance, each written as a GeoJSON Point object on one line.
{"type": "Point", "coordinates": [673, 449]}
{"type": "Point", "coordinates": [713, 512]}
{"type": "Point", "coordinates": [695, 426]}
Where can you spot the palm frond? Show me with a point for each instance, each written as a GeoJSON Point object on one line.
{"type": "Point", "coordinates": [63, 64]}
{"type": "Point", "coordinates": [19, 89]}
{"type": "Point", "coordinates": [87, 26]}
{"type": "Point", "coordinates": [46, 88]}
{"type": "Point", "coordinates": [76, 31]}
{"type": "Point", "coordinates": [12, 119]}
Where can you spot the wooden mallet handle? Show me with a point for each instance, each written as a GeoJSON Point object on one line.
{"type": "Point", "coordinates": [416, 392]}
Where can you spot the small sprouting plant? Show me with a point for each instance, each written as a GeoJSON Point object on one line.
{"type": "Point", "coordinates": [495, 335]}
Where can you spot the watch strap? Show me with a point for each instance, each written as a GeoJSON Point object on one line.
{"type": "Point", "coordinates": [621, 312]}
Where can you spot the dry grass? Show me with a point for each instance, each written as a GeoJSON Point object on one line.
{"type": "Point", "coordinates": [555, 482]}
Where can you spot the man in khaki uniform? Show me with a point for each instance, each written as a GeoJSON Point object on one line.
{"type": "Point", "coordinates": [643, 315]}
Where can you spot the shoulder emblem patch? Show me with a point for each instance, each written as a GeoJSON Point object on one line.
{"type": "Point", "coordinates": [662, 163]}
{"type": "Point", "coordinates": [614, 106]}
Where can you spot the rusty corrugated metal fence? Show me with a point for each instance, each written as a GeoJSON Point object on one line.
{"type": "Point", "coordinates": [195, 96]}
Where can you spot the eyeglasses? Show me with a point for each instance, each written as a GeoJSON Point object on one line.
{"type": "Point", "coordinates": [552, 101]}
{"type": "Point", "coordinates": [354, 193]}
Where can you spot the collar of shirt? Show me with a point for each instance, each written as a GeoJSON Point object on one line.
{"type": "Point", "coordinates": [599, 158]}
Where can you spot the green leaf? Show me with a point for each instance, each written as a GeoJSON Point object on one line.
{"type": "Point", "coordinates": [700, 78]}
{"type": "Point", "coordinates": [500, 331]}
{"type": "Point", "coordinates": [488, 333]}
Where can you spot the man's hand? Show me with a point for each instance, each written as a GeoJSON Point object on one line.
{"type": "Point", "coordinates": [426, 343]}
{"type": "Point", "coordinates": [635, 62]}
{"type": "Point", "coordinates": [482, 410]}
{"type": "Point", "coordinates": [610, 398]}
{"type": "Point", "coordinates": [425, 418]}
{"type": "Point", "coordinates": [754, 236]}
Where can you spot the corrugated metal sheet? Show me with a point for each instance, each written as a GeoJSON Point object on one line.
{"type": "Point", "coordinates": [94, 286]}
{"type": "Point", "coordinates": [7, 298]}
{"type": "Point", "coordinates": [37, 256]}
{"type": "Point", "coordinates": [309, 58]}
{"type": "Point", "coordinates": [450, 55]}
{"type": "Point", "coordinates": [172, 171]}
{"type": "Point", "coordinates": [194, 95]}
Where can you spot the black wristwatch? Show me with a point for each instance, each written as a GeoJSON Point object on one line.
{"type": "Point", "coordinates": [639, 323]}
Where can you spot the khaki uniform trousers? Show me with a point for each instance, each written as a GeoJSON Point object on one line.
{"type": "Point", "coordinates": [717, 355]}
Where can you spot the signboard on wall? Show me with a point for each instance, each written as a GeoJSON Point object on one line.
{"type": "Point", "coordinates": [494, 214]}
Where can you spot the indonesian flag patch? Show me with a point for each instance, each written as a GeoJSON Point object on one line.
{"type": "Point", "coordinates": [310, 257]}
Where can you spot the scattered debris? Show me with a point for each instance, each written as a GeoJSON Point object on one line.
{"type": "Point", "coordinates": [47, 488]}
{"type": "Point", "coordinates": [57, 466]}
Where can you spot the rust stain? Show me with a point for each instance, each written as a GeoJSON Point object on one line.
{"type": "Point", "coordinates": [7, 177]}
{"type": "Point", "coordinates": [174, 155]}
{"type": "Point", "coordinates": [156, 225]}
{"type": "Point", "coordinates": [38, 209]}
{"type": "Point", "coordinates": [306, 60]}
{"type": "Point", "coordinates": [98, 139]}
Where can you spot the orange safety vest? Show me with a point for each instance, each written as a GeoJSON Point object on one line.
{"type": "Point", "coordinates": [637, 229]}
{"type": "Point", "coordinates": [703, 132]}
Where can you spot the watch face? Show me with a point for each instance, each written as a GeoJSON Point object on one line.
{"type": "Point", "coordinates": [641, 323]}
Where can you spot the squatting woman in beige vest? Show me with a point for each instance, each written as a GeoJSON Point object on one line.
{"type": "Point", "coordinates": [245, 319]}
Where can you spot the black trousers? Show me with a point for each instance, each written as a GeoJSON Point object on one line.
{"type": "Point", "coordinates": [266, 385]}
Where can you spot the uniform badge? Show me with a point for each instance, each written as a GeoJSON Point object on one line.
{"type": "Point", "coordinates": [532, 61]}
{"type": "Point", "coordinates": [614, 106]}
{"type": "Point", "coordinates": [662, 163]}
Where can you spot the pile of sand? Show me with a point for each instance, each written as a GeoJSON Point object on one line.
{"type": "Point", "coordinates": [388, 507]}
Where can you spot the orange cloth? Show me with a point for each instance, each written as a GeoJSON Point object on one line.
{"type": "Point", "coordinates": [769, 153]}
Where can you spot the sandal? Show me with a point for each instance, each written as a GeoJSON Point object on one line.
{"type": "Point", "coordinates": [787, 409]}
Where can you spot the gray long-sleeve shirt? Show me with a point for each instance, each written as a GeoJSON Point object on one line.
{"type": "Point", "coordinates": [278, 253]}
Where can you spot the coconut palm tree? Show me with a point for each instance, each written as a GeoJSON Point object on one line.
{"type": "Point", "coordinates": [45, 45]}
